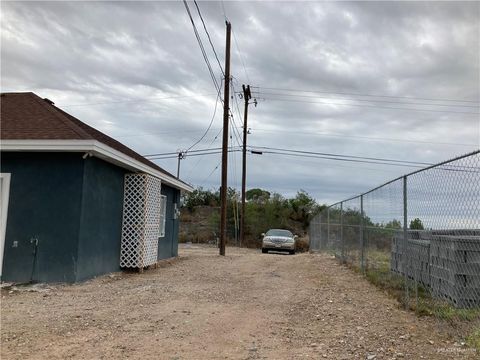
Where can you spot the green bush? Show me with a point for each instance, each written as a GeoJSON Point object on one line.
{"type": "Point", "coordinates": [263, 211]}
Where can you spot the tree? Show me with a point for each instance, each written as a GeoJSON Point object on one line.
{"type": "Point", "coordinates": [200, 197]}
{"type": "Point", "coordinates": [416, 224]}
{"type": "Point", "coordinates": [394, 224]}
{"type": "Point", "coordinates": [303, 207]}
{"type": "Point", "coordinates": [258, 195]}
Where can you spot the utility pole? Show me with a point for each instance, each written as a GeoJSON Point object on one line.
{"type": "Point", "coordinates": [181, 155]}
{"type": "Point", "coordinates": [223, 189]}
{"type": "Point", "coordinates": [246, 96]}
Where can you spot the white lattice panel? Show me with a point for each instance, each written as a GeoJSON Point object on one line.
{"type": "Point", "coordinates": [141, 221]}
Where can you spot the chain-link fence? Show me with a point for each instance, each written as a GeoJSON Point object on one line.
{"type": "Point", "coordinates": [417, 236]}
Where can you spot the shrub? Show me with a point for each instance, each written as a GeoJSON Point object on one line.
{"type": "Point", "coordinates": [302, 245]}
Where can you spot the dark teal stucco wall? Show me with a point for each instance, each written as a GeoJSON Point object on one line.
{"type": "Point", "coordinates": [101, 219]}
{"type": "Point", "coordinates": [44, 202]}
{"type": "Point", "coordinates": [168, 245]}
{"type": "Point", "coordinates": [74, 207]}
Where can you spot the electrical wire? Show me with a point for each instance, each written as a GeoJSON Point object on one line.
{"type": "Point", "coordinates": [197, 154]}
{"type": "Point", "coordinates": [342, 156]}
{"type": "Point", "coordinates": [199, 160]}
{"type": "Point", "coordinates": [455, 168]}
{"type": "Point", "coordinates": [174, 152]}
{"type": "Point", "coordinates": [211, 173]}
{"type": "Point", "coordinates": [266, 149]}
{"type": "Point", "coordinates": [234, 167]}
{"type": "Point", "coordinates": [240, 56]}
{"type": "Point", "coordinates": [235, 128]}
{"type": "Point", "coordinates": [368, 100]}
{"type": "Point", "coordinates": [208, 36]}
{"type": "Point", "coordinates": [209, 125]}
{"type": "Point", "coordinates": [360, 137]}
{"type": "Point", "coordinates": [339, 159]}
{"type": "Point", "coordinates": [204, 54]}
{"type": "Point", "coordinates": [240, 115]}
{"type": "Point", "coordinates": [370, 95]}
{"type": "Point", "coordinates": [373, 106]}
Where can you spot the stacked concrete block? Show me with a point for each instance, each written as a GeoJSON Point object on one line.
{"type": "Point", "coordinates": [397, 260]}
{"type": "Point", "coordinates": [446, 261]}
{"type": "Point", "coordinates": [455, 267]}
{"type": "Point", "coordinates": [418, 259]}
{"type": "Point", "coordinates": [412, 257]}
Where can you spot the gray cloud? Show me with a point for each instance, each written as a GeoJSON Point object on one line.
{"type": "Point", "coordinates": [126, 58]}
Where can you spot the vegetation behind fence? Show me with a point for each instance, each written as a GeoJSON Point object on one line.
{"type": "Point", "coordinates": [417, 236]}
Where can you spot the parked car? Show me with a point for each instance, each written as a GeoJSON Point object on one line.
{"type": "Point", "coordinates": [278, 240]}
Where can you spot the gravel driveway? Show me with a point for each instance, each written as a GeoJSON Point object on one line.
{"type": "Point", "coordinates": [246, 305]}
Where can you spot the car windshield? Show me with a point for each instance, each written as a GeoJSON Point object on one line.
{"type": "Point", "coordinates": [275, 232]}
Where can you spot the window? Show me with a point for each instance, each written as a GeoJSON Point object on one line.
{"type": "Point", "coordinates": [163, 214]}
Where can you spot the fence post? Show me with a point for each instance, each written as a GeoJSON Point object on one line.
{"type": "Point", "coordinates": [341, 233]}
{"type": "Point", "coordinates": [328, 225]}
{"type": "Point", "coordinates": [405, 241]}
{"type": "Point", "coordinates": [362, 245]}
{"type": "Point", "coordinates": [320, 243]}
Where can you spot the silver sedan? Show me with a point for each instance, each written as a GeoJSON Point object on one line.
{"type": "Point", "coordinates": [278, 240]}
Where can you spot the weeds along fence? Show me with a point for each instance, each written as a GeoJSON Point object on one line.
{"type": "Point", "coordinates": [417, 236]}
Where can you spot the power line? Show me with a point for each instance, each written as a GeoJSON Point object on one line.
{"type": "Point", "coordinates": [208, 35]}
{"type": "Point", "coordinates": [197, 154]}
{"type": "Point", "coordinates": [235, 128]}
{"type": "Point", "coordinates": [237, 106]}
{"type": "Point", "coordinates": [361, 137]}
{"type": "Point", "coordinates": [266, 149]}
{"type": "Point", "coordinates": [234, 166]}
{"type": "Point", "coordinates": [368, 100]}
{"type": "Point", "coordinates": [355, 159]}
{"type": "Point", "coordinates": [208, 148]}
{"type": "Point", "coordinates": [311, 133]}
{"type": "Point", "coordinates": [211, 173]}
{"type": "Point", "coordinates": [173, 153]}
{"type": "Point", "coordinates": [211, 121]}
{"type": "Point", "coordinates": [339, 159]}
{"type": "Point", "coordinates": [374, 106]}
{"type": "Point", "coordinates": [342, 156]}
{"type": "Point", "coordinates": [240, 56]}
{"type": "Point", "coordinates": [350, 166]}
{"type": "Point", "coordinates": [325, 156]}
{"type": "Point", "coordinates": [370, 95]}
{"type": "Point", "coordinates": [204, 53]}
{"type": "Point", "coordinates": [223, 8]}
{"type": "Point", "coordinates": [236, 131]}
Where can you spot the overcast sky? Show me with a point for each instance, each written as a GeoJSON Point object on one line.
{"type": "Point", "coordinates": [135, 71]}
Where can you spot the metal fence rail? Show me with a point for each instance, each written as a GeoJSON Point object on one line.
{"type": "Point", "coordinates": [419, 234]}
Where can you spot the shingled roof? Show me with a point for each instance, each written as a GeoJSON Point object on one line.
{"type": "Point", "coordinates": [26, 116]}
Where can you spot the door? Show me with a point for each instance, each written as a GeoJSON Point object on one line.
{"type": "Point", "coordinates": [4, 193]}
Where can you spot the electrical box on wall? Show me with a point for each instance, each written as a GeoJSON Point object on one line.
{"type": "Point", "coordinates": [176, 211]}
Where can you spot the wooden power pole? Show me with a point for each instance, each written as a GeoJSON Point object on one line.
{"type": "Point", "coordinates": [223, 189]}
{"type": "Point", "coordinates": [246, 96]}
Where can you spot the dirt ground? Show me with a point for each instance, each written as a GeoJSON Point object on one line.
{"type": "Point", "coordinates": [246, 305]}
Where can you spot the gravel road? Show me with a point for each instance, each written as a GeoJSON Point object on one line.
{"type": "Point", "coordinates": [246, 305]}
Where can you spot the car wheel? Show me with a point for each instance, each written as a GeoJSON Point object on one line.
{"type": "Point", "coordinates": [264, 251]}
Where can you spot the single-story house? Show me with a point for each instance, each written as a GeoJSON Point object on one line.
{"type": "Point", "coordinates": [76, 203]}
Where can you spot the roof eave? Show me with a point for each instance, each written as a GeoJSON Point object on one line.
{"type": "Point", "coordinates": [95, 148]}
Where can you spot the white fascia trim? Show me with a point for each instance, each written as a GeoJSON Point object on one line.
{"type": "Point", "coordinates": [47, 145]}
{"type": "Point", "coordinates": [95, 148]}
